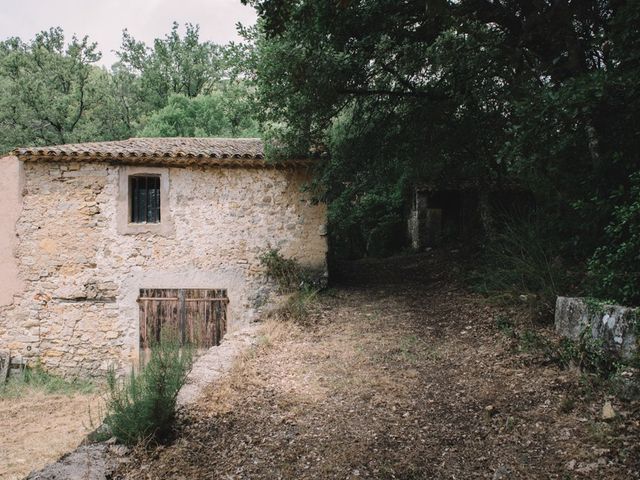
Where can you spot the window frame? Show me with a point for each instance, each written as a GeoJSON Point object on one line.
{"type": "Point", "coordinates": [125, 225]}
{"type": "Point", "coordinates": [146, 213]}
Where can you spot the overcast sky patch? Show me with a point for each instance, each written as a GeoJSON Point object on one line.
{"type": "Point", "coordinates": [104, 20]}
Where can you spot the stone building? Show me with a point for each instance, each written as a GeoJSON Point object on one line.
{"type": "Point", "coordinates": [463, 213]}
{"type": "Point", "coordinates": [87, 228]}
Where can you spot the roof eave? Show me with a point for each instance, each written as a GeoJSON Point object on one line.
{"type": "Point", "coordinates": [165, 160]}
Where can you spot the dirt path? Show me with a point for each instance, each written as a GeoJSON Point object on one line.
{"type": "Point", "coordinates": [38, 429]}
{"type": "Point", "coordinates": [407, 377]}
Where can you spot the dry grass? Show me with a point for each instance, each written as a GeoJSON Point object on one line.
{"type": "Point", "coordinates": [37, 428]}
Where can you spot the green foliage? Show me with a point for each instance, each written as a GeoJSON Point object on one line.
{"type": "Point", "coordinates": [287, 272]}
{"type": "Point", "coordinates": [36, 379]}
{"type": "Point", "coordinates": [521, 261]}
{"type": "Point", "coordinates": [373, 225]}
{"type": "Point", "coordinates": [173, 65]}
{"type": "Point", "coordinates": [457, 93]}
{"type": "Point", "coordinates": [592, 356]}
{"type": "Point", "coordinates": [291, 278]}
{"type": "Point", "coordinates": [49, 89]}
{"type": "Point", "coordinates": [587, 354]}
{"type": "Point", "coordinates": [52, 91]}
{"type": "Point", "coordinates": [142, 407]}
{"type": "Point", "coordinates": [505, 326]}
{"type": "Point", "coordinates": [201, 116]}
{"type": "Point", "coordinates": [615, 266]}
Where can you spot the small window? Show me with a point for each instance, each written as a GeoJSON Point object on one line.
{"type": "Point", "coordinates": [144, 198]}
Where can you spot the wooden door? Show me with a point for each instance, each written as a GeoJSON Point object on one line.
{"type": "Point", "coordinates": [196, 316]}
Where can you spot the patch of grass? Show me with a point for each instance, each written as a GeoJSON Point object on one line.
{"type": "Point", "coordinates": [505, 326]}
{"type": "Point", "coordinates": [37, 379]}
{"type": "Point", "coordinates": [408, 348]}
{"type": "Point", "coordinates": [298, 306]}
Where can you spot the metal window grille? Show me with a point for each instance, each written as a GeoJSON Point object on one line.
{"type": "Point", "coordinates": [144, 194]}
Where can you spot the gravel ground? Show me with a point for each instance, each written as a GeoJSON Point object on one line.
{"type": "Point", "coordinates": [406, 376]}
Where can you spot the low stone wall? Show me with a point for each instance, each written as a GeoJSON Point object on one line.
{"type": "Point", "coordinates": [615, 325]}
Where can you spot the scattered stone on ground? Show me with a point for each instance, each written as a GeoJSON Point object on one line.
{"type": "Point", "coordinates": [608, 413]}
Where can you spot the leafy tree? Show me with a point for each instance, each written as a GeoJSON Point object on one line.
{"type": "Point", "coordinates": [52, 92]}
{"type": "Point", "coordinates": [47, 89]}
{"type": "Point", "coordinates": [202, 116]}
{"type": "Point", "coordinates": [174, 65]}
{"type": "Point", "coordinates": [615, 265]}
{"type": "Point", "coordinates": [543, 94]}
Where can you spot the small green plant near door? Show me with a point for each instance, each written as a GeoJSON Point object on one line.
{"type": "Point", "coordinates": [142, 406]}
{"type": "Point", "coordinates": [287, 272]}
{"type": "Point", "coordinates": [291, 278]}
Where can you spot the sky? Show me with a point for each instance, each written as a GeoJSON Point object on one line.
{"type": "Point", "coordinates": [104, 20]}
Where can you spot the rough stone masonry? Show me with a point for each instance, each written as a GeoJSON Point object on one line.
{"type": "Point", "coordinates": [80, 265]}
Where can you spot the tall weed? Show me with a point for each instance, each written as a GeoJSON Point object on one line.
{"type": "Point", "coordinates": [521, 261]}
{"type": "Point", "coordinates": [142, 406]}
{"type": "Point", "coordinates": [36, 379]}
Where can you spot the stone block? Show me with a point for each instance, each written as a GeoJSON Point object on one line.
{"type": "Point", "coordinates": [615, 325]}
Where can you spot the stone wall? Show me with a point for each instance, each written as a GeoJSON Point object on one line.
{"type": "Point", "coordinates": [82, 273]}
{"type": "Point", "coordinates": [10, 204]}
{"type": "Point", "coordinates": [614, 325]}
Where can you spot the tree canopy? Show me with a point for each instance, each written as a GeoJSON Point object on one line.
{"type": "Point", "coordinates": [538, 93]}
{"type": "Point", "coordinates": [52, 91]}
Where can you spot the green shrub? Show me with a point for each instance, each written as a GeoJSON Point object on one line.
{"type": "Point", "coordinates": [287, 273]}
{"type": "Point", "coordinates": [142, 406]}
{"type": "Point", "coordinates": [521, 261]}
{"type": "Point", "coordinates": [615, 266]}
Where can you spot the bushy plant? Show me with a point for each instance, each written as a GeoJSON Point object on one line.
{"type": "Point", "coordinates": [292, 278]}
{"type": "Point", "coordinates": [287, 272]}
{"type": "Point", "coordinates": [615, 266]}
{"type": "Point", "coordinates": [142, 406]}
{"type": "Point", "coordinates": [521, 260]}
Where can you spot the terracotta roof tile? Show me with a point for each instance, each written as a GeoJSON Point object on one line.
{"type": "Point", "coordinates": [177, 147]}
{"type": "Point", "coordinates": [176, 151]}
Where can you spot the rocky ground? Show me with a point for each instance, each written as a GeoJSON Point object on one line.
{"type": "Point", "coordinates": [406, 376]}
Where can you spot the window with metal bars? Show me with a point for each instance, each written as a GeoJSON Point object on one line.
{"type": "Point", "coordinates": [144, 195]}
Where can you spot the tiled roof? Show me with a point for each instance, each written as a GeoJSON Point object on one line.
{"type": "Point", "coordinates": [176, 150]}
